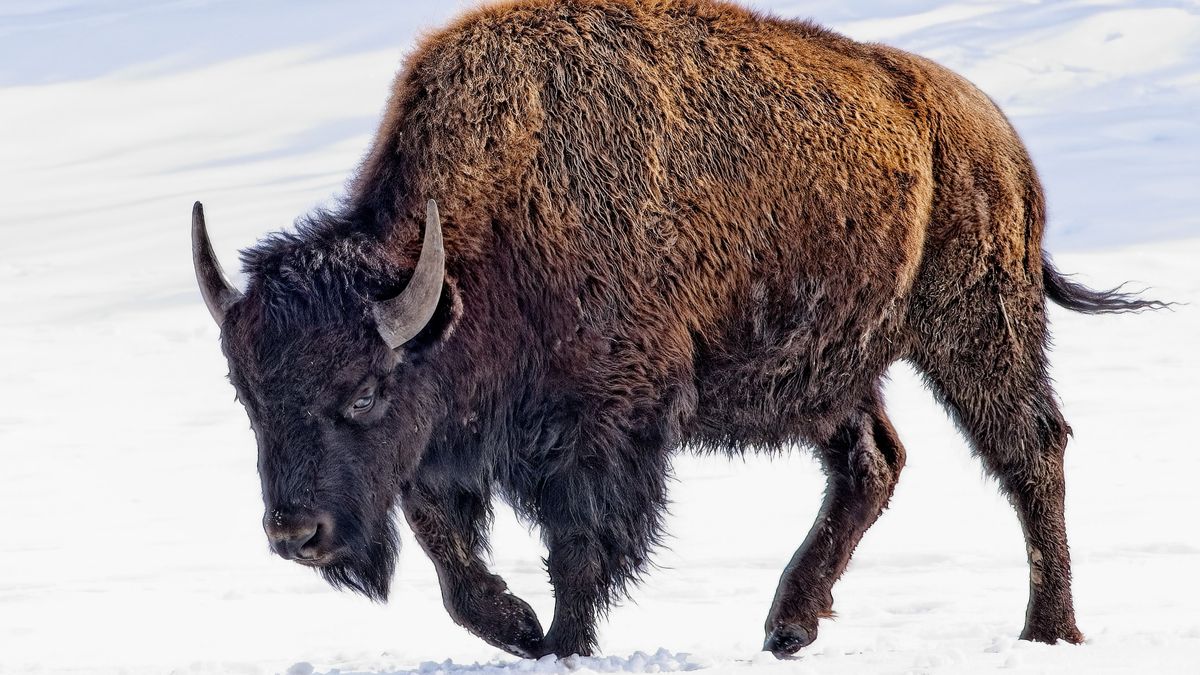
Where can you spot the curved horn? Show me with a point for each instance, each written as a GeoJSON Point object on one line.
{"type": "Point", "coordinates": [401, 318]}
{"type": "Point", "coordinates": [218, 293]}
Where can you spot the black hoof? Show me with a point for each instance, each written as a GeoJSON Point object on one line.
{"type": "Point", "coordinates": [562, 645]}
{"type": "Point", "coordinates": [786, 640]}
{"type": "Point", "coordinates": [1066, 632]}
{"type": "Point", "coordinates": [511, 625]}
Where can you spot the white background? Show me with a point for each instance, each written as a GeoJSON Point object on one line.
{"type": "Point", "coordinates": [130, 537]}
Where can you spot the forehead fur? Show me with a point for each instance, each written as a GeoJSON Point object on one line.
{"type": "Point", "coordinates": [308, 298]}
{"type": "Point", "coordinates": [327, 271]}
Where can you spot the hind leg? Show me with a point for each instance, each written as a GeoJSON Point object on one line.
{"type": "Point", "coordinates": [994, 380]}
{"type": "Point", "coordinates": [862, 462]}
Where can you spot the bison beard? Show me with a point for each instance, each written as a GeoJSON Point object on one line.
{"type": "Point", "coordinates": [368, 561]}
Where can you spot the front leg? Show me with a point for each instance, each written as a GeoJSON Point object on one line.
{"type": "Point", "coordinates": [449, 526]}
{"type": "Point", "coordinates": [599, 521]}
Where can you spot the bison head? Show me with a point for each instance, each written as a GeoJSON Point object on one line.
{"type": "Point", "coordinates": [326, 356]}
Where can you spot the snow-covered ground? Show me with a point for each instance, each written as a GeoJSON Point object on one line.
{"type": "Point", "coordinates": [131, 539]}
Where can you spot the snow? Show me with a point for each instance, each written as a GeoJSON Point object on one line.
{"type": "Point", "coordinates": [132, 540]}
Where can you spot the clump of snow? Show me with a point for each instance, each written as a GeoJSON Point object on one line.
{"type": "Point", "coordinates": [661, 661]}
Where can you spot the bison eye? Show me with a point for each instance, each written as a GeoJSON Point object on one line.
{"type": "Point", "coordinates": [363, 404]}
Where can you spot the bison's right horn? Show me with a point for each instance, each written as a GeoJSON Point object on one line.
{"type": "Point", "coordinates": [218, 293]}
{"type": "Point", "coordinates": [404, 316]}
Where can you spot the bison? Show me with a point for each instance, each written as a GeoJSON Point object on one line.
{"type": "Point", "coordinates": [663, 224]}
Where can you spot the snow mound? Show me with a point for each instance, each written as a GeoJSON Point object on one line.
{"type": "Point", "coordinates": [662, 661]}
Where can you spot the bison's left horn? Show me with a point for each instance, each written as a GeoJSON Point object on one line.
{"type": "Point", "coordinates": [402, 318]}
{"type": "Point", "coordinates": [218, 293]}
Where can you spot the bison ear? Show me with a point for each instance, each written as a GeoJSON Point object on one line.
{"type": "Point", "coordinates": [440, 327]}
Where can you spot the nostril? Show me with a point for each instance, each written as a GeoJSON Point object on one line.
{"type": "Point", "coordinates": [318, 543]}
{"type": "Point", "coordinates": [288, 545]}
{"type": "Point", "coordinates": [310, 547]}
{"type": "Point", "coordinates": [298, 536]}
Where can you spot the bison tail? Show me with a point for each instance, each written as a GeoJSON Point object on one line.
{"type": "Point", "coordinates": [1079, 298]}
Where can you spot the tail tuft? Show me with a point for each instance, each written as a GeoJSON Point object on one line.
{"type": "Point", "coordinates": [1080, 298]}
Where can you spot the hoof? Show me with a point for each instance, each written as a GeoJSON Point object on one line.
{"type": "Point", "coordinates": [1051, 635]}
{"type": "Point", "coordinates": [784, 641]}
{"type": "Point", "coordinates": [510, 625]}
{"type": "Point", "coordinates": [562, 645]}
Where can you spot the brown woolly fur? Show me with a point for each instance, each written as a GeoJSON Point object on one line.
{"type": "Point", "coordinates": [667, 223]}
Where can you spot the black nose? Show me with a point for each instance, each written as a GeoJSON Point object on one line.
{"type": "Point", "coordinates": [298, 534]}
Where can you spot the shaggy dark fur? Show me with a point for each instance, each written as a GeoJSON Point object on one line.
{"type": "Point", "coordinates": [668, 223]}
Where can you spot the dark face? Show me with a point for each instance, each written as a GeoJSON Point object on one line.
{"type": "Point", "coordinates": [340, 420]}
{"type": "Point", "coordinates": [325, 360]}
